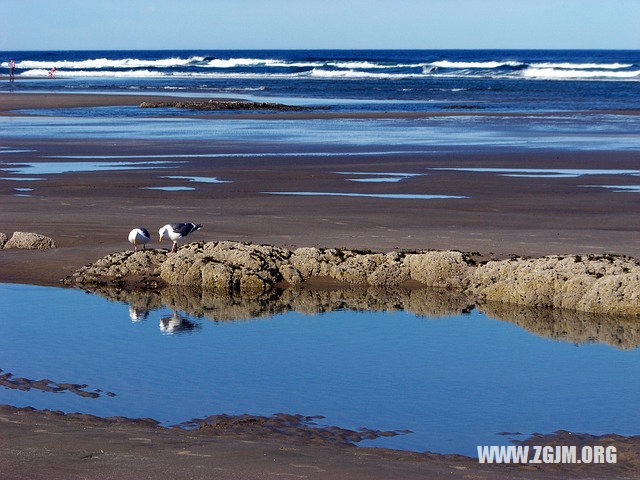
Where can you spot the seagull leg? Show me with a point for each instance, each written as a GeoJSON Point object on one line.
{"type": "Point", "coordinates": [173, 247]}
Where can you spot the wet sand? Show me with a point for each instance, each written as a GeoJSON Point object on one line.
{"type": "Point", "coordinates": [22, 101]}
{"type": "Point", "coordinates": [48, 445]}
{"type": "Point", "coordinates": [89, 214]}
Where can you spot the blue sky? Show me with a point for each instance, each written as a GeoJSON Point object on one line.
{"type": "Point", "coordinates": [306, 24]}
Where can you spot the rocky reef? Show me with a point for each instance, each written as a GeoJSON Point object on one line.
{"type": "Point", "coordinates": [27, 240]}
{"type": "Point", "coordinates": [595, 284]}
{"type": "Point", "coordinates": [213, 105]}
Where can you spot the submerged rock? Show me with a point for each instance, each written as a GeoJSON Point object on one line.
{"type": "Point", "coordinates": [596, 284]}
{"type": "Point", "coordinates": [31, 241]}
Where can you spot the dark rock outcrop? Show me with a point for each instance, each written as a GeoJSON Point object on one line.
{"type": "Point", "coordinates": [213, 105]}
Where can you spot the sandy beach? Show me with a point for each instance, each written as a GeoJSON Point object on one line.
{"type": "Point", "coordinates": [503, 215]}
{"type": "Point", "coordinates": [89, 214]}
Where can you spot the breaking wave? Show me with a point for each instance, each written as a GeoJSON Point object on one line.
{"type": "Point", "coordinates": [582, 66]}
{"type": "Point", "coordinates": [100, 63]}
{"type": "Point", "coordinates": [553, 73]}
{"type": "Point", "coordinates": [317, 72]}
{"type": "Point", "coordinates": [448, 64]}
{"type": "Point", "coordinates": [249, 67]}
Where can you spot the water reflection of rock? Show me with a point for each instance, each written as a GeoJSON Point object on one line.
{"type": "Point", "coordinates": [559, 324]}
{"type": "Point", "coordinates": [569, 326]}
{"type": "Point", "coordinates": [199, 303]}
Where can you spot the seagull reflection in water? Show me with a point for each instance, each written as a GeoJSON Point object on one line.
{"type": "Point", "coordinates": [176, 323]}
{"type": "Point", "coordinates": [137, 314]}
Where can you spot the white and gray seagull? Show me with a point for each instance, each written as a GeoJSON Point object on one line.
{"type": "Point", "coordinates": [177, 231]}
{"type": "Point", "coordinates": [139, 236]}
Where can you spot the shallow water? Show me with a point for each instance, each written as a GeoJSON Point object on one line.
{"type": "Point", "coordinates": [542, 172]}
{"type": "Point", "coordinates": [246, 155]}
{"type": "Point", "coordinates": [619, 188]}
{"type": "Point", "coordinates": [455, 380]}
{"type": "Point", "coordinates": [386, 174]}
{"type": "Point", "coordinates": [376, 180]}
{"type": "Point", "coordinates": [197, 179]}
{"type": "Point", "coordinates": [23, 179]}
{"type": "Point", "coordinates": [46, 168]}
{"type": "Point", "coordinates": [379, 177]}
{"type": "Point", "coordinates": [368, 195]}
{"type": "Point", "coordinates": [169, 189]}
{"type": "Point", "coordinates": [591, 132]}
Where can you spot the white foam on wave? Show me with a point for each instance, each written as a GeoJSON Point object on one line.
{"type": "Point", "coordinates": [95, 73]}
{"type": "Point", "coordinates": [101, 63]}
{"type": "Point", "coordinates": [492, 64]}
{"type": "Point", "coordinates": [552, 73]}
{"type": "Point", "coordinates": [368, 65]}
{"type": "Point", "coordinates": [255, 62]}
{"type": "Point", "coordinates": [318, 72]}
{"type": "Point", "coordinates": [219, 68]}
{"type": "Point", "coordinates": [578, 66]}
{"type": "Point", "coordinates": [110, 63]}
{"type": "Point", "coordinates": [314, 73]}
{"type": "Point", "coordinates": [372, 65]}
{"type": "Point", "coordinates": [244, 89]}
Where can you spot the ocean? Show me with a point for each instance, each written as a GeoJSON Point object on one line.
{"type": "Point", "coordinates": [352, 80]}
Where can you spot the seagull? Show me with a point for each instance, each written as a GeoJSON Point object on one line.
{"type": "Point", "coordinates": [177, 231]}
{"type": "Point", "coordinates": [139, 235]}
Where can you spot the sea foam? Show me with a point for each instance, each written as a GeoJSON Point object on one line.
{"type": "Point", "coordinates": [553, 73]}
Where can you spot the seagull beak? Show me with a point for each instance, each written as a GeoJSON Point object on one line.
{"type": "Point", "coordinates": [160, 237]}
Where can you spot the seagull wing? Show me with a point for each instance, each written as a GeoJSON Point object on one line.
{"type": "Point", "coordinates": [185, 229]}
{"type": "Point", "coordinates": [181, 228]}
